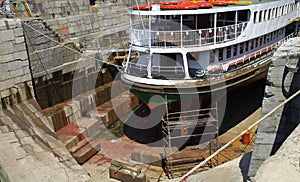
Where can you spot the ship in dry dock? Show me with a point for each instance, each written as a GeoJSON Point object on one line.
{"type": "Point", "coordinates": [191, 53]}
{"type": "Point", "coordinates": [201, 44]}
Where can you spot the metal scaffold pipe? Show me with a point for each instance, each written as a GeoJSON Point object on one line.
{"type": "Point", "coordinates": [184, 177]}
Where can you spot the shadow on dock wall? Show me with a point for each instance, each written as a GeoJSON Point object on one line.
{"type": "Point", "coordinates": [290, 117]}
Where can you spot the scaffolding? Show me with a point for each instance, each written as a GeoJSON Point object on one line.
{"type": "Point", "coordinates": [180, 127]}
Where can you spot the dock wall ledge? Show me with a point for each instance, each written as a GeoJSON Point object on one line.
{"type": "Point", "coordinates": [283, 81]}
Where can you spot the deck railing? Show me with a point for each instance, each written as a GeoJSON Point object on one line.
{"type": "Point", "coordinates": [168, 72]}
{"type": "Point", "coordinates": [186, 38]}
{"type": "Point", "coordinates": [162, 72]}
{"type": "Point", "coordinates": [137, 69]}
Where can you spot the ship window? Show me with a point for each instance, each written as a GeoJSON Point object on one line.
{"type": "Point", "coordinates": [167, 66]}
{"type": "Point", "coordinates": [203, 21]}
{"type": "Point", "coordinates": [220, 54]}
{"type": "Point", "coordinates": [265, 15]}
{"type": "Point", "coordinates": [247, 46]}
{"type": "Point", "coordinates": [256, 43]}
{"type": "Point", "coordinates": [188, 21]}
{"type": "Point", "coordinates": [279, 11]}
{"type": "Point", "coordinates": [194, 63]}
{"type": "Point", "coordinates": [241, 48]}
{"type": "Point", "coordinates": [269, 17]}
{"type": "Point", "coordinates": [228, 52]}
{"type": "Point", "coordinates": [251, 44]}
{"type": "Point", "coordinates": [255, 16]}
{"type": "Point", "coordinates": [260, 41]}
{"type": "Point", "coordinates": [234, 50]}
{"type": "Point", "coordinates": [260, 16]}
{"type": "Point", "coordinates": [138, 66]}
{"type": "Point", "coordinates": [243, 15]}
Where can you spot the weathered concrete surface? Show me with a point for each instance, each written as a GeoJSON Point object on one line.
{"type": "Point", "coordinates": [285, 164]}
{"type": "Point", "coordinates": [281, 84]}
{"type": "Point", "coordinates": [14, 65]}
{"type": "Point", "coordinates": [60, 73]}
{"type": "Point", "coordinates": [29, 151]}
{"type": "Point", "coordinates": [231, 171]}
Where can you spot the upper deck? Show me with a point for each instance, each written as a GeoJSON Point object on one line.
{"type": "Point", "coordinates": [197, 11]}
{"type": "Point", "coordinates": [205, 27]}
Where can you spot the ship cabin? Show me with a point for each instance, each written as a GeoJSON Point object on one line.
{"type": "Point", "coordinates": [182, 43]}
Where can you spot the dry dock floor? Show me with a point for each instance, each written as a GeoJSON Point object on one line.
{"type": "Point", "coordinates": [98, 166]}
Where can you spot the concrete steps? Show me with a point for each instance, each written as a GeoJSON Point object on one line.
{"type": "Point", "coordinates": [74, 132]}
{"type": "Point", "coordinates": [78, 137]}
{"type": "Point", "coordinates": [79, 145]}
{"type": "Point", "coordinates": [115, 109]}
{"type": "Point", "coordinates": [67, 112]}
{"type": "Point", "coordinates": [79, 122]}
{"type": "Point", "coordinates": [87, 151]}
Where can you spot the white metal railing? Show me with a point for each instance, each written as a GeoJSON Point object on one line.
{"type": "Point", "coordinates": [218, 69]}
{"type": "Point", "coordinates": [137, 69]}
{"type": "Point", "coordinates": [185, 38]}
{"type": "Point", "coordinates": [168, 72]}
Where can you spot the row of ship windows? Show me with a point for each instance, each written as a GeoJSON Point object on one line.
{"type": "Point", "coordinates": [232, 51]}
{"type": "Point", "coordinates": [264, 15]}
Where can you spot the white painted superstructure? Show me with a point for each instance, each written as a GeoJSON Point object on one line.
{"type": "Point", "coordinates": [176, 46]}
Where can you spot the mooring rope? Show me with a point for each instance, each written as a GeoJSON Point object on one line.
{"type": "Point", "coordinates": [184, 177]}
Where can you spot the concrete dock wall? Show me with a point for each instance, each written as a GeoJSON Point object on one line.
{"type": "Point", "coordinates": [37, 65]}
{"type": "Point", "coordinates": [15, 78]}
{"type": "Point", "coordinates": [60, 73]}
{"type": "Point", "coordinates": [29, 151]}
{"type": "Point", "coordinates": [283, 81]}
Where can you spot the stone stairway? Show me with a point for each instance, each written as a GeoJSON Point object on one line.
{"type": "Point", "coordinates": [79, 122]}
{"type": "Point", "coordinates": [30, 151]}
